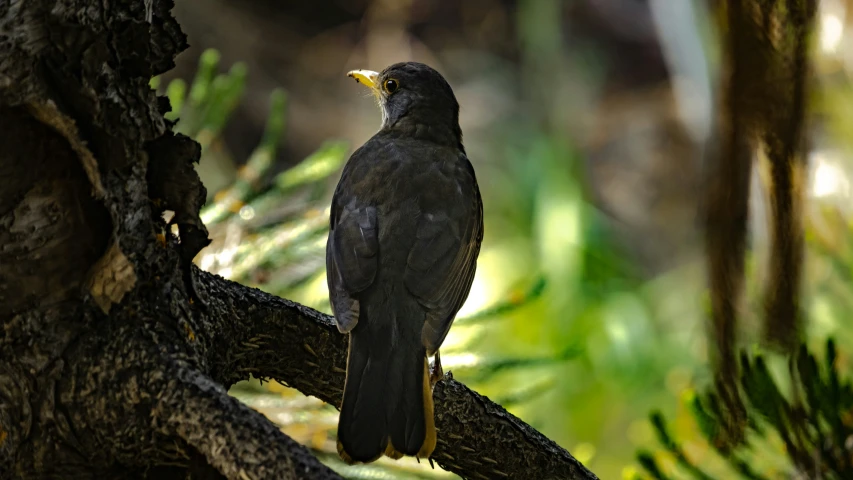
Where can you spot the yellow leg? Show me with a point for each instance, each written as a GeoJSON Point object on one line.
{"type": "Point", "coordinates": [436, 372]}
{"type": "Point", "coordinates": [429, 416]}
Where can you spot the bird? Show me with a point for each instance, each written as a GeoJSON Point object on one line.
{"type": "Point", "coordinates": [406, 224]}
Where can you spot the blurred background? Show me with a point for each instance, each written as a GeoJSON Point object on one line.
{"type": "Point", "coordinates": [586, 123]}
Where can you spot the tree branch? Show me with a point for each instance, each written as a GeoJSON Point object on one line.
{"type": "Point", "coordinates": [201, 412]}
{"type": "Point", "coordinates": [270, 337]}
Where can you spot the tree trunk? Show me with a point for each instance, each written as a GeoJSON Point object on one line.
{"type": "Point", "coordinates": [116, 352]}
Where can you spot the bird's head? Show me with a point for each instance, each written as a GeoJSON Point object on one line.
{"type": "Point", "coordinates": [414, 97]}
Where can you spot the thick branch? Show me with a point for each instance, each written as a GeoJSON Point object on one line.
{"type": "Point", "coordinates": [274, 338]}
{"type": "Point", "coordinates": [218, 426]}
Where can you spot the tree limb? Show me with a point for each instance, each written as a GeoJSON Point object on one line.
{"type": "Point", "coordinates": [270, 337]}
{"type": "Point", "coordinates": [201, 412]}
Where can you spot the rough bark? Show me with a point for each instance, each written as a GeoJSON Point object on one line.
{"type": "Point", "coordinates": [114, 355]}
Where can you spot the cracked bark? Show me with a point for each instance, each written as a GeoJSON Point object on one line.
{"type": "Point", "coordinates": [110, 366]}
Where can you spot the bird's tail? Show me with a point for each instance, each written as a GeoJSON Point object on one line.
{"type": "Point", "coordinates": [387, 403]}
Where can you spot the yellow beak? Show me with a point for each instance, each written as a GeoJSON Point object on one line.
{"type": "Point", "coordinates": [367, 77]}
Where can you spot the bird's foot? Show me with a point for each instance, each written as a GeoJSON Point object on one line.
{"type": "Point", "coordinates": [429, 459]}
{"type": "Point", "coordinates": [436, 372]}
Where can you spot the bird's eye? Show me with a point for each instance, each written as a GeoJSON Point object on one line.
{"type": "Point", "coordinates": [391, 85]}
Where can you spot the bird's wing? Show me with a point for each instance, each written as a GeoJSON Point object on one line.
{"type": "Point", "coordinates": [441, 264]}
{"type": "Point", "coordinates": [351, 250]}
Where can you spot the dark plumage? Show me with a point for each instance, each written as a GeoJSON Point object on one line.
{"type": "Point", "coordinates": [406, 227]}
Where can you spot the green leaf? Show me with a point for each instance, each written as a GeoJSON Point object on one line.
{"type": "Point", "coordinates": [176, 91]}
{"type": "Point", "coordinates": [650, 465]}
{"type": "Point", "coordinates": [319, 165]}
{"type": "Point", "coordinates": [200, 89]}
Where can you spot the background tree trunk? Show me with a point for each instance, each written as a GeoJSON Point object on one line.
{"type": "Point", "coordinates": [115, 352]}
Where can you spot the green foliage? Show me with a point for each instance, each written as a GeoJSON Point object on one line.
{"type": "Point", "coordinates": [798, 419]}
{"type": "Point", "coordinates": [274, 222]}
{"type": "Point", "coordinates": [811, 422]}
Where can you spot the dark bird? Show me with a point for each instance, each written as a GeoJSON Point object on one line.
{"type": "Point", "coordinates": [406, 227]}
